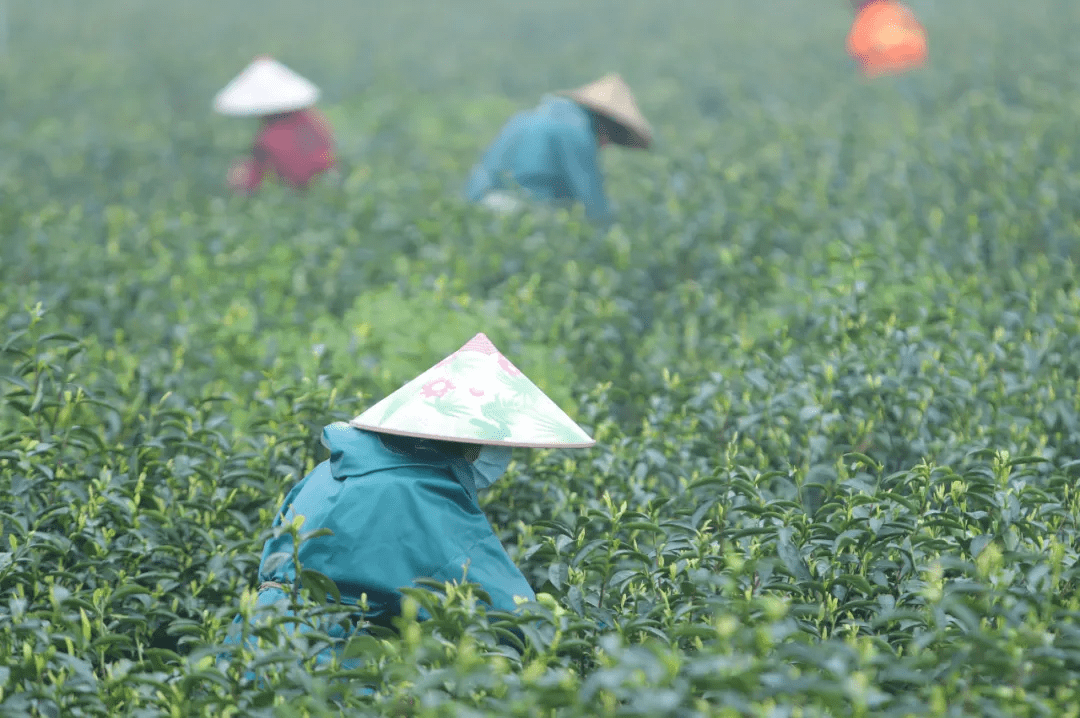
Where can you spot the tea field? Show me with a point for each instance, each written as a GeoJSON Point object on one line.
{"type": "Point", "coordinates": [830, 355]}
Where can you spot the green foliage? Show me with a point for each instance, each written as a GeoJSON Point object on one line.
{"type": "Point", "coordinates": [829, 356]}
{"type": "Point", "coordinates": [385, 336]}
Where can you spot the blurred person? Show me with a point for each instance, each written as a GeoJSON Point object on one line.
{"type": "Point", "coordinates": [886, 38]}
{"type": "Point", "coordinates": [550, 153]}
{"type": "Point", "coordinates": [400, 489]}
{"type": "Point", "coordinates": [294, 140]}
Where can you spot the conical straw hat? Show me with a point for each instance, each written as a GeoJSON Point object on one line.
{"type": "Point", "coordinates": [265, 87]}
{"type": "Point", "coordinates": [610, 96]}
{"type": "Point", "coordinates": [475, 396]}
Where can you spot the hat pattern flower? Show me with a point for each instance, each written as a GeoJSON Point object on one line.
{"type": "Point", "coordinates": [436, 388]}
{"type": "Point", "coordinates": [508, 367]}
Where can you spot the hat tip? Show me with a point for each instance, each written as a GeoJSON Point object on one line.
{"type": "Point", "coordinates": [480, 343]}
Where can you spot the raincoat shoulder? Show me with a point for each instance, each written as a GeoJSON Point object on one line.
{"type": "Point", "coordinates": [393, 518]}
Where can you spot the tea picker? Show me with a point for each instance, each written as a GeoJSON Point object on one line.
{"type": "Point", "coordinates": [886, 38]}
{"type": "Point", "coordinates": [550, 153]}
{"type": "Point", "coordinates": [295, 141]}
{"type": "Point", "coordinates": [399, 491]}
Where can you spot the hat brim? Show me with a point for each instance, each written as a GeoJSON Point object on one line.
{"type": "Point", "coordinates": [262, 109]}
{"type": "Point", "coordinates": [611, 98]}
{"type": "Point", "coordinates": [638, 140]}
{"type": "Point", "coordinates": [457, 440]}
{"type": "Point", "coordinates": [641, 136]}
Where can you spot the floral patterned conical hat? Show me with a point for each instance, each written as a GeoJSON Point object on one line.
{"type": "Point", "coordinates": [475, 396]}
{"type": "Point", "coordinates": [265, 87]}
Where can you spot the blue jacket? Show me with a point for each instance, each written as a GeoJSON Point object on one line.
{"type": "Point", "coordinates": [550, 152]}
{"type": "Point", "coordinates": [394, 518]}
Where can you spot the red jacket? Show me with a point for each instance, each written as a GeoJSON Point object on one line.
{"type": "Point", "coordinates": [296, 146]}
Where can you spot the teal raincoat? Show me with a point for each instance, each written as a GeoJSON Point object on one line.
{"type": "Point", "coordinates": [551, 153]}
{"type": "Point", "coordinates": [394, 518]}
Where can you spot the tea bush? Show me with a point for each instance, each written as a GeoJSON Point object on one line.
{"type": "Point", "coordinates": [829, 355]}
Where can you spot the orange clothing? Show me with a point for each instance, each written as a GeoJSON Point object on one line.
{"type": "Point", "coordinates": [296, 146]}
{"type": "Point", "coordinates": [886, 38]}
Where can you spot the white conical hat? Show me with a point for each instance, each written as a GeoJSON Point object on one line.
{"type": "Point", "coordinates": [475, 396]}
{"type": "Point", "coordinates": [610, 96]}
{"type": "Point", "coordinates": [265, 87]}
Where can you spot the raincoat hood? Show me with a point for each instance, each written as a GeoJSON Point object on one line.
{"type": "Point", "coordinates": [351, 448]}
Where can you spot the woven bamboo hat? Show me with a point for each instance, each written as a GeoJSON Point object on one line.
{"type": "Point", "coordinates": [610, 96]}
